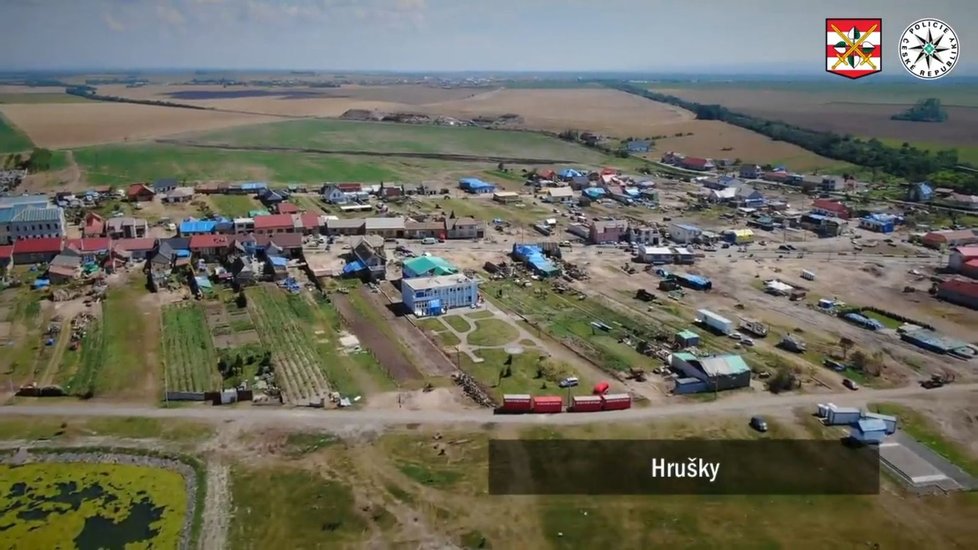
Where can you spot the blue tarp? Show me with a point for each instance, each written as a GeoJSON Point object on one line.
{"type": "Point", "coordinates": [41, 283]}
{"type": "Point", "coordinates": [354, 266]}
{"type": "Point", "coordinates": [182, 253]}
{"type": "Point", "coordinates": [253, 186]}
{"type": "Point", "coordinates": [569, 173]}
{"type": "Point", "coordinates": [473, 184]}
{"type": "Point", "coordinates": [197, 227]}
{"type": "Point", "coordinates": [278, 261]}
{"type": "Point", "coordinates": [203, 282]}
{"type": "Point", "coordinates": [595, 192]}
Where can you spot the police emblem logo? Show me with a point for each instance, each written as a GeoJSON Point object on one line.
{"type": "Point", "coordinates": [929, 49]}
{"type": "Point", "coordinates": [853, 47]}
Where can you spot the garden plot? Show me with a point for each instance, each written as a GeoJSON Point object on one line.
{"type": "Point", "coordinates": [188, 350]}
{"type": "Point", "coordinates": [230, 329]}
{"type": "Point", "coordinates": [294, 356]}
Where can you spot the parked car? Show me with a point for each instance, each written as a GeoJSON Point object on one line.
{"type": "Point", "coordinates": [850, 384]}
{"type": "Point", "coordinates": [747, 342]}
{"type": "Point", "coordinates": [569, 382]}
{"type": "Point", "coordinates": [735, 336]}
{"type": "Point", "coordinates": [835, 365]}
{"type": "Point", "coordinates": [758, 423]}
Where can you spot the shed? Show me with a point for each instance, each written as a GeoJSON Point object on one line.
{"type": "Point", "coordinates": [687, 339]}
{"type": "Point", "coordinates": [870, 431]}
{"type": "Point", "coordinates": [686, 386]}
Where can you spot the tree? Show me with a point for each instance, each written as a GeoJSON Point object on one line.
{"type": "Point", "coordinates": [845, 344]}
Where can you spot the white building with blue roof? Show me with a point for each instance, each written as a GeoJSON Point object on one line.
{"type": "Point", "coordinates": [29, 217]}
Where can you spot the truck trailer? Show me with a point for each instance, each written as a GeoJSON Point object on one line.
{"type": "Point", "coordinates": [714, 321]}
{"type": "Point", "coordinates": [616, 401]}
{"type": "Point", "coordinates": [516, 404]}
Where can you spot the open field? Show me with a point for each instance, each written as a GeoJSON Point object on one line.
{"type": "Point", "coordinates": [298, 101]}
{"type": "Point", "coordinates": [123, 164]}
{"type": "Point", "coordinates": [857, 110]}
{"type": "Point", "coordinates": [598, 110]}
{"type": "Point", "coordinates": [381, 137]}
{"type": "Point", "coordinates": [56, 97]}
{"type": "Point", "coordinates": [235, 206]}
{"type": "Point", "coordinates": [12, 139]}
{"type": "Point", "coordinates": [416, 488]}
{"type": "Point", "coordinates": [190, 359]}
{"type": "Point", "coordinates": [47, 505]}
{"type": "Point", "coordinates": [66, 125]}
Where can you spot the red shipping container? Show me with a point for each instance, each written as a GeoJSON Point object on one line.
{"type": "Point", "coordinates": [617, 401]}
{"type": "Point", "coordinates": [546, 404]}
{"type": "Point", "coordinates": [601, 388]}
{"type": "Point", "coordinates": [517, 403]}
{"type": "Point", "coordinates": [586, 403]}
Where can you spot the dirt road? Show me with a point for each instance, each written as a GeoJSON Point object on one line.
{"type": "Point", "coordinates": [317, 418]}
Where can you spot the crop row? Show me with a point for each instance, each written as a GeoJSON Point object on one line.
{"type": "Point", "coordinates": [296, 363]}
{"type": "Point", "coordinates": [188, 350]}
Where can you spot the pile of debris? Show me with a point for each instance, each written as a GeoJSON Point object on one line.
{"type": "Point", "coordinates": [64, 294]}
{"type": "Point", "coordinates": [79, 326]}
{"type": "Point", "coordinates": [473, 389]}
{"type": "Point", "coordinates": [291, 285]}
{"type": "Point", "coordinates": [576, 272]}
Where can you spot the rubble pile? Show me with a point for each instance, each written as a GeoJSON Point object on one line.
{"type": "Point", "coordinates": [473, 389]}
{"type": "Point", "coordinates": [64, 294]}
{"type": "Point", "coordinates": [79, 327]}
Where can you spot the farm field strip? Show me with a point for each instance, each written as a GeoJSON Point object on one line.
{"type": "Point", "coordinates": [188, 350]}
{"type": "Point", "coordinates": [292, 353]}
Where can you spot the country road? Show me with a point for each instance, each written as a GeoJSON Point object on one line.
{"type": "Point", "coordinates": [747, 403]}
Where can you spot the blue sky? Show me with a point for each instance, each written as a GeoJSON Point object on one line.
{"type": "Point", "coordinates": [768, 36]}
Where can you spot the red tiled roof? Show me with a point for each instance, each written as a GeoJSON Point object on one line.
{"type": "Point", "coordinates": [138, 189]}
{"type": "Point", "coordinates": [970, 264]}
{"type": "Point", "coordinates": [134, 244]}
{"type": "Point", "coordinates": [208, 241]}
{"type": "Point", "coordinates": [37, 246]}
{"type": "Point", "coordinates": [287, 208]}
{"type": "Point", "coordinates": [947, 236]}
{"type": "Point", "coordinates": [695, 161]}
{"type": "Point", "coordinates": [287, 240]}
{"type": "Point", "coordinates": [310, 220]}
{"type": "Point", "coordinates": [349, 187]}
{"type": "Point", "coordinates": [274, 221]}
{"type": "Point", "coordinates": [6, 252]}
{"type": "Point", "coordinates": [94, 224]}
{"type": "Point", "coordinates": [89, 245]}
{"type": "Point", "coordinates": [966, 288]}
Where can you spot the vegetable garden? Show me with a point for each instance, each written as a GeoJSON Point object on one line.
{"type": "Point", "coordinates": [188, 350]}
{"type": "Point", "coordinates": [281, 322]}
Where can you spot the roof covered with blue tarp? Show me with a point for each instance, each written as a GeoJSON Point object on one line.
{"type": "Point", "coordinates": [278, 261]}
{"type": "Point", "coordinates": [197, 226]}
{"type": "Point", "coordinates": [354, 266]}
{"type": "Point", "coordinates": [569, 173]}
{"type": "Point", "coordinates": [595, 192]}
{"type": "Point", "coordinates": [473, 183]}
{"type": "Point", "coordinates": [253, 185]}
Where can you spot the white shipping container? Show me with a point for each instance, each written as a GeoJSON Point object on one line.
{"type": "Point", "coordinates": [808, 275]}
{"type": "Point", "coordinates": [714, 321]}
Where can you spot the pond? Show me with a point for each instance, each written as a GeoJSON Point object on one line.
{"type": "Point", "coordinates": [90, 506]}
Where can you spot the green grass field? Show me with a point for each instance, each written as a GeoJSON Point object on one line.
{"type": "Point", "coordinates": [188, 352]}
{"type": "Point", "coordinates": [12, 140]}
{"type": "Point", "coordinates": [235, 205]}
{"type": "Point", "coordinates": [123, 164]}
{"type": "Point", "coordinates": [402, 138]}
{"type": "Point", "coordinates": [966, 153]}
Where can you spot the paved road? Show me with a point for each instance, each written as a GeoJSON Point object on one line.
{"type": "Point", "coordinates": [746, 403]}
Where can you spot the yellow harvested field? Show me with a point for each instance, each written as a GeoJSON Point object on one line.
{"type": "Point", "coordinates": [30, 90]}
{"type": "Point", "coordinates": [603, 111]}
{"type": "Point", "coordinates": [297, 101]}
{"type": "Point", "coordinates": [719, 140]}
{"type": "Point", "coordinates": [65, 125]}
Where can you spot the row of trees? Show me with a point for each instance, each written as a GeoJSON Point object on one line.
{"type": "Point", "coordinates": [91, 93]}
{"type": "Point", "coordinates": [39, 160]}
{"type": "Point", "coordinates": [905, 161]}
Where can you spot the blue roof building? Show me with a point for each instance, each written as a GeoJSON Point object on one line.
{"type": "Point", "coordinates": [533, 257]}
{"type": "Point", "coordinates": [475, 185]}
{"type": "Point", "coordinates": [197, 227]}
{"type": "Point", "coordinates": [881, 223]}
{"type": "Point", "coordinates": [638, 146]}
{"type": "Point", "coordinates": [595, 192]}
{"type": "Point", "coordinates": [568, 173]}
{"type": "Point", "coordinates": [253, 186]}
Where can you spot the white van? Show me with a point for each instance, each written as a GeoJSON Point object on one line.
{"type": "Point", "coordinates": [429, 240]}
{"type": "Point", "coordinates": [569, 382]}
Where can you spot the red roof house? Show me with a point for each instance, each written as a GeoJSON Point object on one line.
{"type": "Point", "coordinates": [957, 237]}
{"type": "Point", "coordinates": [970, 269]}
{"type": "Point", "coordinates": [287, 208]}
{"type": "Point", "coordinates": [696, 163]}
{"type": "Point", "coordinates": [35, 251]}
{"type": "Point", "coordinates": [350, 187]}
{"type": "Point", "coordinates": [275, 223]}
{"type": "Point", "coordinates": [89, 248]}
{"type": "Point", "coordinates": [139, 192]}
{"type": "Point", "coordinates": [209, 245]}
{"type": "Point", "coordinates": [137, 249]}
{"type": "Point", "coordinates": [310, 223]}
{"type": "Point", "coordinates": [94, 225]}
{"type": "Point", "coordinates": [828, 207]}
{"type": "Point", "coordinates": [963, 293]}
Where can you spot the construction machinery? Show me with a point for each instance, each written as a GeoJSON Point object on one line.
{"type": "Point", "coordinates": [644, 295]}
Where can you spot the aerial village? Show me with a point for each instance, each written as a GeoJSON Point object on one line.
{"type": "Point", "coordinates": [682, 269]}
